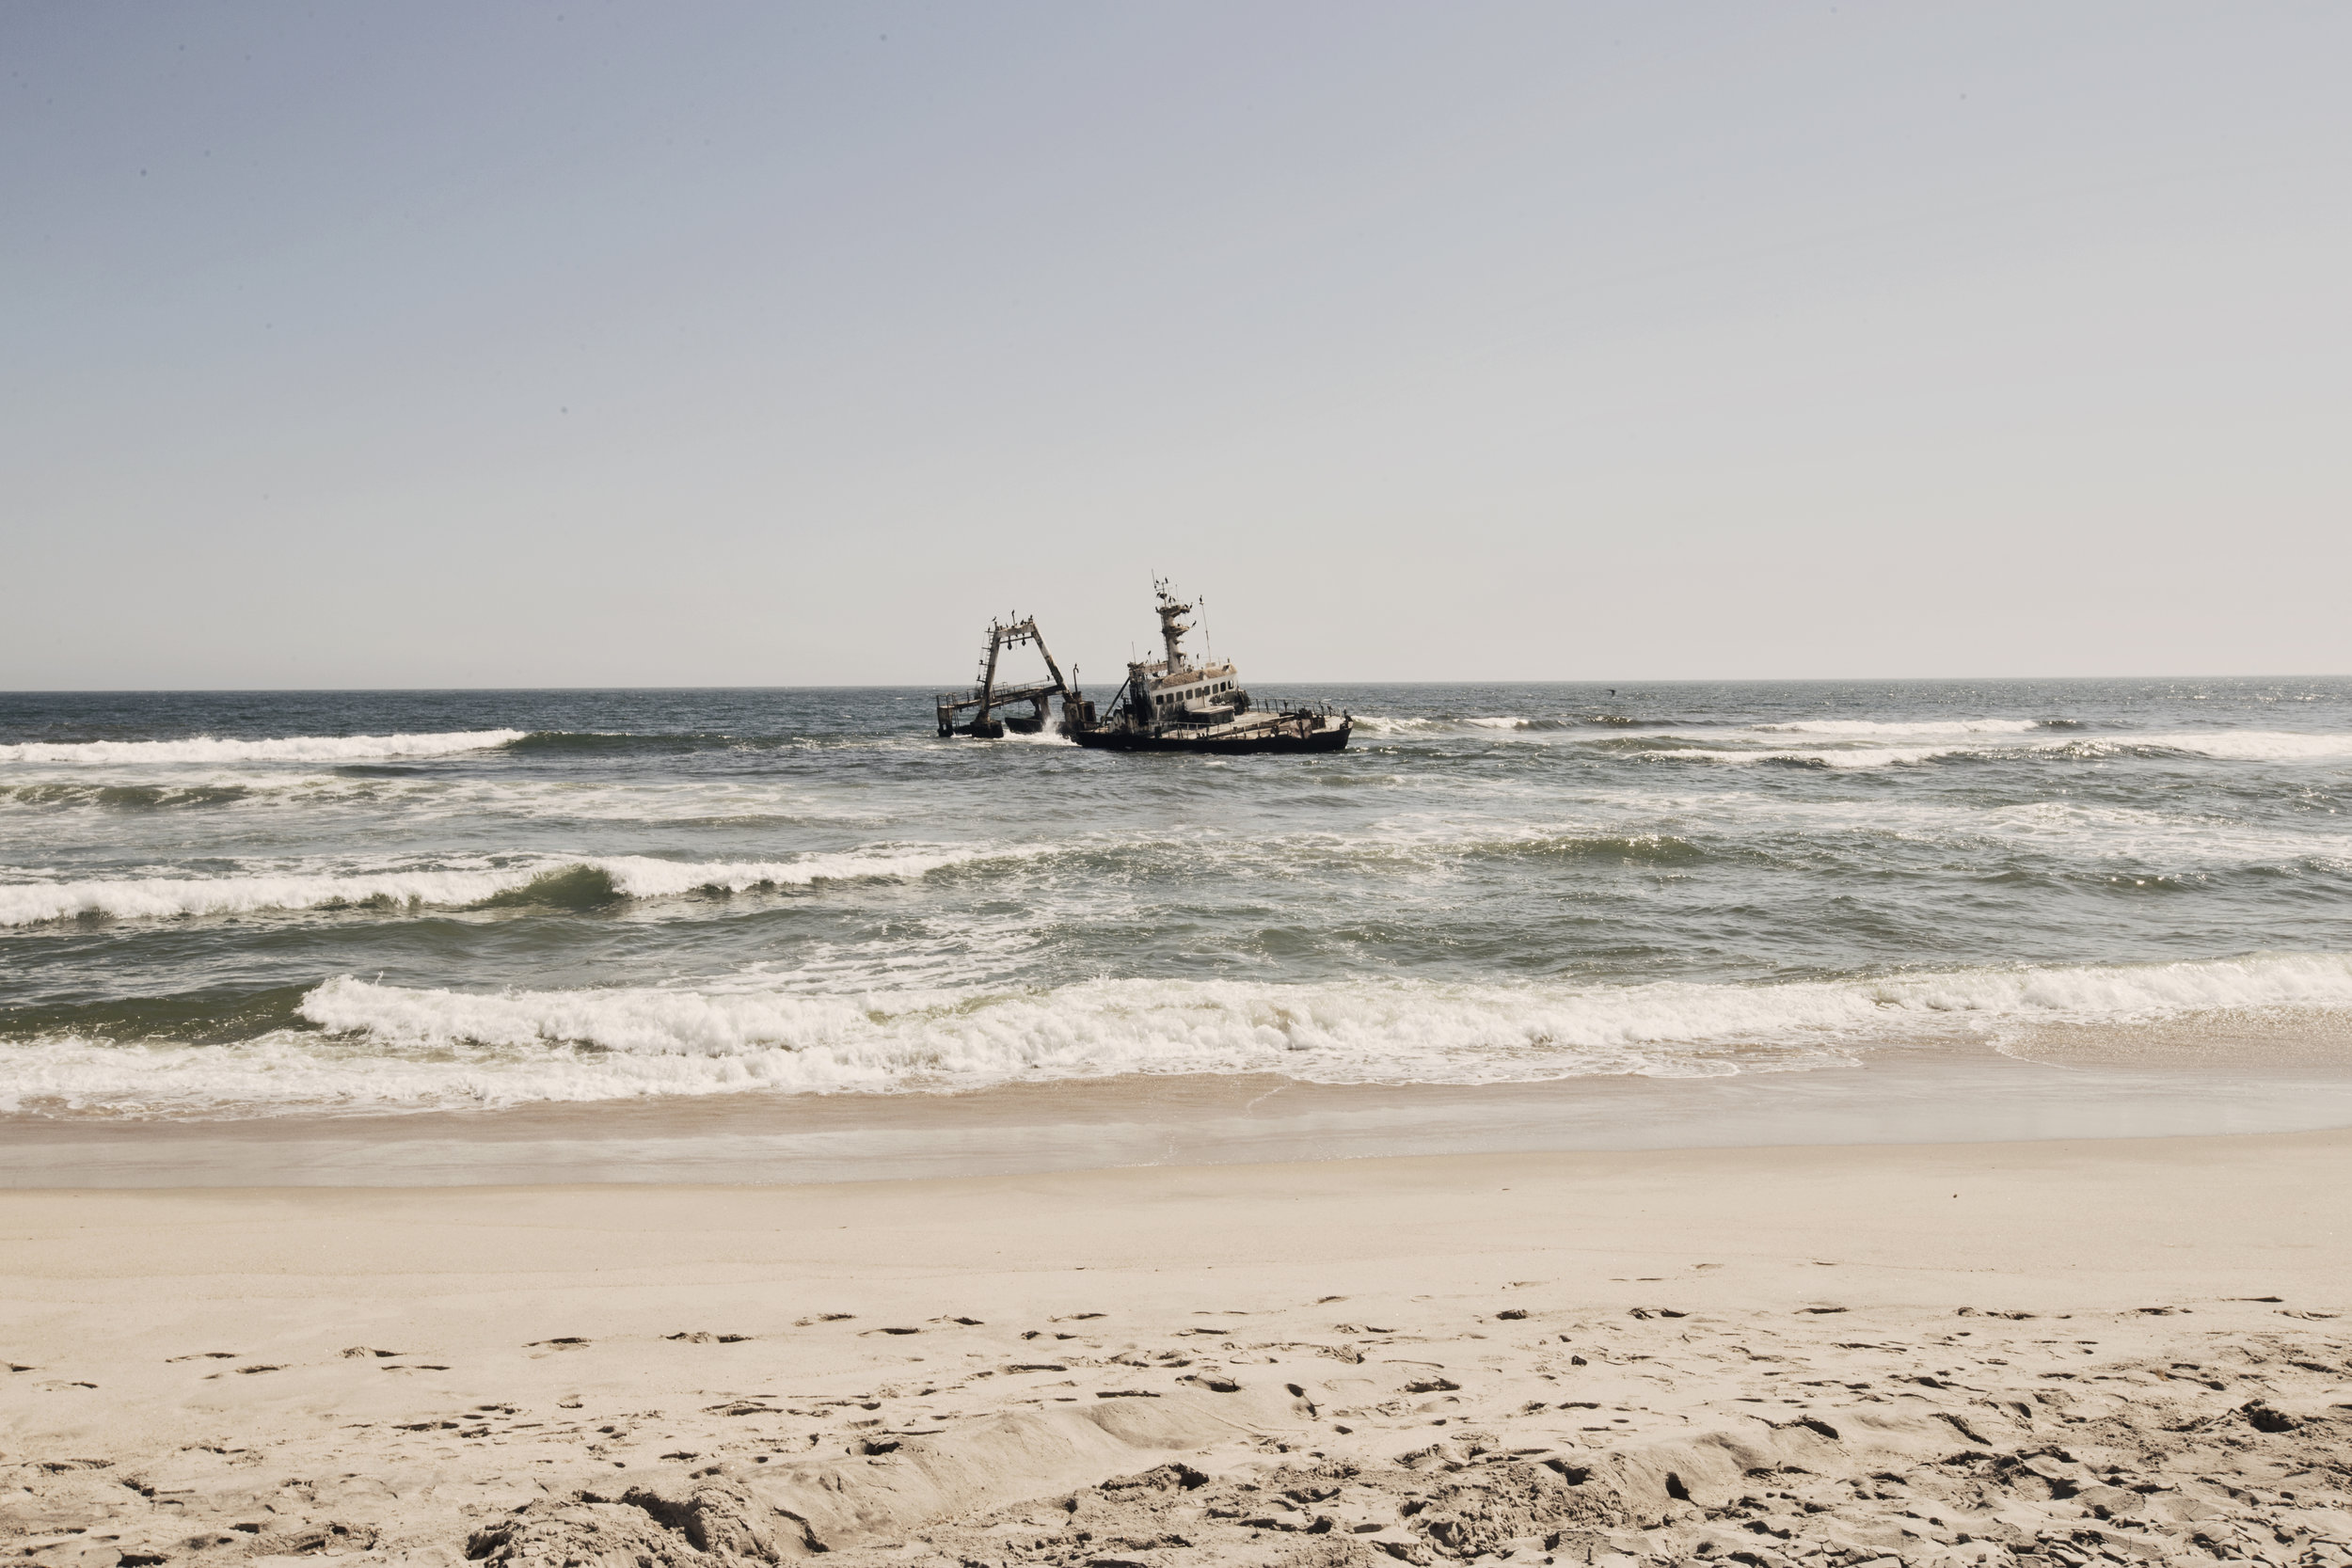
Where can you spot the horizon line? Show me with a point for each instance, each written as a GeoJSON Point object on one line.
{"type": "Point", "coordinates": [902, 686]}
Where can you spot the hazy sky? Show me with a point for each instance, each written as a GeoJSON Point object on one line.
{"type": "Point", "coordinates": [578, 344]}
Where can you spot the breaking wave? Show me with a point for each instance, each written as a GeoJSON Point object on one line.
{"type": "Point", "coordinates": [158, 797]}
{"type": "Point", "coordinates": [1859, 757]}
{"type": "Point", "coordinates": [296, 748]}
{"type": "Point", "coordinates": [565, 884]}
{"type": "Point", "coordinates": [382, 1046]}
{"type": "Point", "coordinates": [1857, 743]}
{"type": "Point", "coordinates": [1356, 1028]}
{"type": "Point", "coordinates": [1861, 729]}
{"type": "Point", "coordinates": [1394, 724]}
{"type": "Point", "coordinates": [2223, 746]}
{"type": "Point", "coordinates": [600, 742]}
{"type": "Point", "coordinates": [2235, 745]}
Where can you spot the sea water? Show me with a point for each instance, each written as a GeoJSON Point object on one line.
{"type": "Point", "coordinates": [237, 907]}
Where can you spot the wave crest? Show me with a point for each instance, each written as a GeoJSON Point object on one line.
{"type": "Point", "coordinates": [384, 1045]}
{"type": "Point", "coordinates": [582, 883]}
{"type": "Point", "coordinates": [1862, 728]}
{"type": "Point", "coordinates": [1843, 750]}
{"type": "Point", "coordinates": [296, 748]}
{"type": "Point", "coordinates": [1359, 1027]}
{"type": "Point", "coordinates": [1504, 723]}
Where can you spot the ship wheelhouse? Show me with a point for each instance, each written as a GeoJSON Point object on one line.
{"type": "Point", "coordinates": [1196, 693]}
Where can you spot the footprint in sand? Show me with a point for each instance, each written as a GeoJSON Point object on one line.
{"type": "Point", "coordinates": [742, 1407]}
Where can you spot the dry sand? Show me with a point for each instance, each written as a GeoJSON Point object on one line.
{"type": "Point", "coordinates": [2047, 1352]}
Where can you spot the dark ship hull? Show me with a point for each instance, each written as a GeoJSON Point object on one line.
{"type": "Point", "coordinates": [1285, 734]}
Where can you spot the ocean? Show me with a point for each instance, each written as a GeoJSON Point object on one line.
{"type": "Point", "coordinates": [270, 916]}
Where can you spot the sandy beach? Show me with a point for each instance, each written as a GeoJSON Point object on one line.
{"type": "Point", "coordinates": [2053, 1352]}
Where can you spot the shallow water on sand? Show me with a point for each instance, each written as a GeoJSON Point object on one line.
{"type": "Point", "coordinates": [240, 906]}
{"type": "Point", "coordinates": [1905, 1096]}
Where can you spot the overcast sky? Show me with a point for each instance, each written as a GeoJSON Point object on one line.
{"type": "Point", "coordinates": [580, 345]}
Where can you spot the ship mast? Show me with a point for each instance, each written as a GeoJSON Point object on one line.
{"type": "Point", "coordinates": [1171, 630]}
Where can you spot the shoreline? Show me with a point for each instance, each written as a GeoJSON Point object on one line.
{"type": "Point", "coordinates": [1979, 1092]}
{"type": "Point", "coordinates": [918, 1370]}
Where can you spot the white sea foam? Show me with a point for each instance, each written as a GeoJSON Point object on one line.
{"type": "Point", "coordinates": [2239, 745]}
{"type": "Point", "coordinates": [58, 791]}
{"type": "Point", "coordinates": [1827, 729]}
{"type": "Point", "coordinates": [1487, 726]}
{"type": "Point", "coordinates": [1859, 751]}
{"type": "Point", "coordinates": [1860, 743]}
{"type": "Point", "coordinates": [389, 1045]}
{"type": "Point", "coordinates": [642, 876]}
{"type": "Point", "coordinates": [1860, 729]}
{"type": "Point", "coordinates": [1359, 1028]}
{"type": "Point", "coordinates": [629, 876]}
{"type": "Point", "coordinates": [164, 897]}
{"type": "Point", "coordinates": [1857, 756]}
{"type": "Point", "coordinates": [1734, 821]}
{"type": "Point", "coordinates": [296, 748]}
{"type": "Point", "coordinates": [2084, 830]}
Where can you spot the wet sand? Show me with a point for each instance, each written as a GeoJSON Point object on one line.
{"type": "Point", "coordinates": [2051, 1352]}
{"type": "Point", "coordinates": [2073, 1084]}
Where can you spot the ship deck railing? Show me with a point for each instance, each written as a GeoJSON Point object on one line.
{"type": "Point", "coordinates": [997, 697]}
